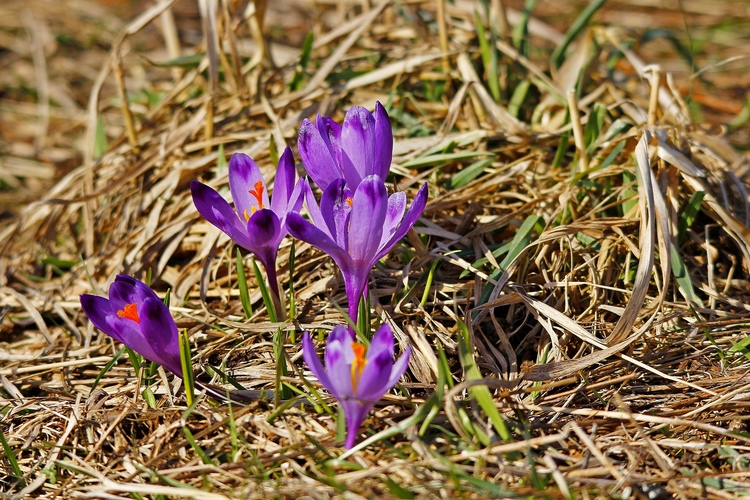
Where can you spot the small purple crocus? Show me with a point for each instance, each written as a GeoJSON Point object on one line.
{"type": "Point", "coordinates": [363, 146]}
{"type": "Point", "coordinates": [357, 229]}
{"type": "Point", "coordinates": [357, 380]}
{"type": "Point", "coordinates": [258, 225]}
{"type": "Point", "coordinates": [136, 317]}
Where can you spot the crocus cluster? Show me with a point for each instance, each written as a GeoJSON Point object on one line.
{"type": "Point", "coordinates": [356, 222]}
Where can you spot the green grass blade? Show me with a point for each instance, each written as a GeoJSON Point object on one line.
{"type": "Point", "coordinates": [575, 29]}
{"type": "Point", "coordinates": [247, 306]}
{"type": "Point", "coordinates": [468, 174]}
{"type": "Point", "coordinates": [682, 276]}
{"type": "Point", "coordinates": [689, 214]}
{"type": "Point", "coordinates": [480, 393]}
{"type": "Point", "coordinates": [292, 305]}
{"type": "Point", "coordinates": [106, 368]}
{"type": "Point", "coordinates": [196, 447]}
{"type": "Point", "coordinates": [489, 57]}
{"type": "Point", "coordinates": [187, 367]}
{"type": "Point", "coordinates": [12, 460]}
{"type": "Point", "coordinates": [100, 138]}
{"type": "Point", "coordinates": [280, 391]}
{"type": "Point", "coordinates": [264, 293]}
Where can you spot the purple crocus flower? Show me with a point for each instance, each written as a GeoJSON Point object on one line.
{"type": "Point", "coordinates": [357, 380]}
{"type": "Point", "coordinates": [258, 225]}
{"type": "Point", "coordinates": [363, 146]}
{"type": "Point", "coordinates": [136, 317]}
{"type": "Point", "coordinates": [357, 229]}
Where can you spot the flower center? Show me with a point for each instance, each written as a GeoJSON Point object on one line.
{"type": "Point", "coordinates": [258, 193]}
{"type": "Point", "coordinates": [129, 312]}
{"type": "Point", "coordinates": [358, 365]}
{"type": "Point", "coordinates": [349, 202]}
{"type": "Point", "coordinates": [246, 215]}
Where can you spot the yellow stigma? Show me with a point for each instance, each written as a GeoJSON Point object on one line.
{"type": "Point", "coordinates": [358, 365]}
{"type": "Point", "coordinates": [349, 202]}
{"type": "Point", "coordinates": [129, 312]}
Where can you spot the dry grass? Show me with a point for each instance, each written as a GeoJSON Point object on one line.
{"type": "Point", "coordinates": [575, 277]}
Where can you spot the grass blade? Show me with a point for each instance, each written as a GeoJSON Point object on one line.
{"type": "Point", "coordinates": [247, 306]}
{"type": "Point", "coordinates": [264, 293]}
{"type": "Point", "coordinates": [187, 367]}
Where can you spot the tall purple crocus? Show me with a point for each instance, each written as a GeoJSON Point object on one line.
{"type": "Point", "coordinates": [363, 146]}
{"type": "Point", "coordinates": [136, 317]}
{"type": "Point", "coordinates": [357, 380]}
{"type": "Point", "coordinates": [258, 225]}
{"type": "Point", "coordinates": [357, 229]}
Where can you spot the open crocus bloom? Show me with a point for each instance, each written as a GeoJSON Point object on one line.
{"type": "Point", "coordinates": [135, 316]}
{"type": "Point", "coordinates": [357, 229]}
{"type": "Point", "coordinates": [258, 225]}
{"type": "Point", "coordinates": [363, 146]}
{"type": "Point", "coordinates": [356, 379]}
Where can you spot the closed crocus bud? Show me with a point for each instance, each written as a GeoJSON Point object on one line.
{"type": "Point", "coordinates": [361, 147]}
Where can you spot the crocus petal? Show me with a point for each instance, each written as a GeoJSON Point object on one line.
{"type": "Point", "coordinates": [316, 152]}
{"type": "Point", "coordinates": [264, 230]}
{"type": "Point", "coordinates": [338, 360]}
{"type": "Point", "coordinates": [303, 230]}
{"type": "Point", "coordinates": [355, 413]}
{"type": "Point", "coordinates": [97, 309]}
{"type": "Point", "coordinates": [383, 142]}
{"type": "Point", "coordinates": [216, 210]}
{"type": "Point", "coordinates": [367, 217]}
{"type": "Point", "coordinates": [411, 217]}
{"type": "Point", "coordinates": [283, 183]}
{"type": "Point", "coordinates": [244, 179]}
{"type": "Point", "coordinates": [335, 210]}
{"type": "Point", "coordinates": [296, 199]}
{"type": "Point", "coordinates": [373, 383]}
{"type": "Point", "coordinates": [382, 341]}
{"type": "Point", "coordinates": [399, 367]}
{"type": "Point", "coordinates": [129, 333]}
{"type": "Point", "coordinates": [160, 332]}
{"type": "Point", "coordinates": [396, 208]}
{"type": "Point", "coordinates": [122, 293]}
{"type": "Point", "coordinates": [358, 142]}
{"type": "Point", "coordinates": [314, 210]}
{"type": "Point", "coordinates": [313, 362]}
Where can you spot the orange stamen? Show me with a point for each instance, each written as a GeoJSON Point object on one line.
{"type": "Point", "coordinates": [247, 217]}
{"type": "Point", "coordinates": [349, 202]}
{"type": "Point", "coordinates": [258, 193]}
{"type": "Point", "coordinates": [129, 312]}
{"type": "Point", "coordinates": [358, 365]}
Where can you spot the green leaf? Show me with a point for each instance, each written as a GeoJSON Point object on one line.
{"type": "Point", "coordinates": [575, 29]}
{"type": "Point", "coordinates": [247, 306]}
{"type": "Point", "coordinates": [438, 159]}
{"type": "Point", "coordinates": [689, 214]}
{"type": "Point", "coordinates": [264, 293]}
{"type": "Point", "coordinates": [12, 459]}
{"type": "Point", "coordinates": [106, 368]}
{"type": "Point", "coordinates": [683, 277]}
{"type": "Point", "coordinates": [186, 360]}
{"type": "Point", "coordinates": [100, 138]}
{"type": "Point", "coordinates": [468, 174]}
{"type": "Point", "coordinates": [480, 393]}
